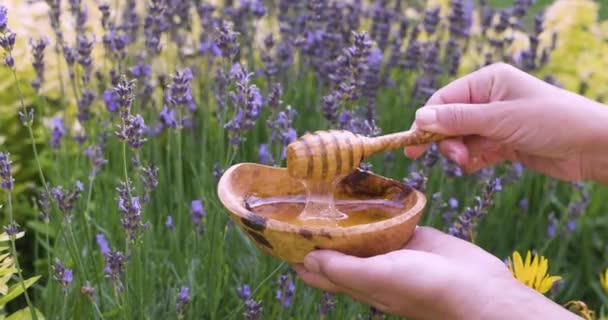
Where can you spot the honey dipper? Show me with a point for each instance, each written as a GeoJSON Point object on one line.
{"type": "Point", "coordinates": [325, 155]}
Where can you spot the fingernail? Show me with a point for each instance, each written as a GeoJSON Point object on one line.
{"type": "Point", "coordinates": [311, 264]}
{"type": "Point", "coordinates": [426, 116]}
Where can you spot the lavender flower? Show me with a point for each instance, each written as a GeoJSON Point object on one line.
{"type": "Point", "coordinates": [58, 132]}
{"type": "Point", "coordinates": [265, 155]}
{"type": "Point", "coordinates": [88, 291]}
{"type": "Point", "coordinates": [464, 227]}
{"type": "Point", "coordinates": [179, 93]}
{"type": "Point", "coordinates": [328, 302]}
{"type": "Point", "coordinates": [115, 268]}
{"type": "Point", "coordinates": [62, 275]}
{"type": "Point", "coordinates": [154, 25]}
{"type": "Point", "coordinates": [149, 178]}
{"type": "Point", "coordinates": [226, 39]}
{"type": "Point", "coordinates": [37, 48]}
{"type": "Point", "coordinates": [84, 104]}
{"type": "Point", "coordinates": [5, 172]}
{"type": "Point", "coordinates": [110, 98]}
{"type": "Point", "coordinates": [169, 223]}
{"type": "Point", "coordinates": [3, 18]}
{"type": "Point", "coordinates": [183, 298]}
{"type": "Point", "coordinates": [253, 309]}
{"type": "Point", "coordinates": [248, 102]}
{"type": "Point", "coordinates": [84, 47]}
{"type": "Point", "coordinates": [197, 210]}
{"type": "Point", "coordinates": [12, 228]}
{"type": "Point", "coordinates": [416, 180]}
{"type": "Point", "coordinates": [285, 290]}
{"type": "Point", "coordinates": [44, 204]}
{"type": "Point", "coordinates": [124, 95]}
{"type": "Point", "coordinates": [217, 172]}
{"type": "Point", "coordinates": [552, 225]}
{"type": "Point", "coordinates": [116, 43]}
{"type": "Point", "coordinates": [130, 209]}
{"type": "Point", "coordinates": [96, 159]}
{"type": "Point", "coordinates": [66, 199]}
{"type": "Point", "coordinates": [133, 131]}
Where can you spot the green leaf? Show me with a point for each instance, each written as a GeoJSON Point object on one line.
{"type": "Point", "coordinates": [16, 290]}
{"type": "Point", "coordinates": [42, 228]}
{"type": "Point", "coordinates": [25, 314]}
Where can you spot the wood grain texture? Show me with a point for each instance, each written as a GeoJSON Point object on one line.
{"type": "Point", "coordinates": [324, 155]}
{"type": "Point", "coordinates": [291, 242]}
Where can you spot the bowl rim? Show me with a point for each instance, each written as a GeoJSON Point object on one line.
{"type": "Point", "coordinates": [232, 203]}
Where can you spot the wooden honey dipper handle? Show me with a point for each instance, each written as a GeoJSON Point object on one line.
{"type": "Point", "coordinates": [400, 140]}
{"type": "Point", "coordinates": [324, 155]}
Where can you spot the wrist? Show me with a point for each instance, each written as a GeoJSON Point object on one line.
{"type": "Point", "coordinates": [517, 301]}
{"type": "Point", "coordinates": [595, 160]}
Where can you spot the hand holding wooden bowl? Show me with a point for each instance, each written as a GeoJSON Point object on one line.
{"type": "Point", "coordinates": [280, 234]}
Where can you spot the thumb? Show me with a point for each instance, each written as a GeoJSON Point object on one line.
{"type": "Point", "coordinates": [461, 119]}
{"type": "Point", "coordinates": [356, 274]}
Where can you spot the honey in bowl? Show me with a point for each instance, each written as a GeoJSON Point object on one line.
{"type": "Point", "coordinates": [265, 202]}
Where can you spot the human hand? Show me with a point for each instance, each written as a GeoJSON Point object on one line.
{"type": "Point", "coordinates": [501, 113]}
{"type": "Point", "coordinates": [435, 276]}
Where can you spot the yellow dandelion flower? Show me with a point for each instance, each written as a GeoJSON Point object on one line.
{"type": "Point", "coordinates": [532, 272]}
{"type": "Point", "coordinates": [604, 280]}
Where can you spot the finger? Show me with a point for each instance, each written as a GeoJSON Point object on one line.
{"type": "Point", "coordinates": [364, 275]}
{"type": "Point", "coordinates": [475, 87]}
{"type": "Point", "coordinates": [463, 119]}
{"type": "Point", "coordinates": [316, 280]}
{"type": "Point", "coordinates": [482, 161]}
{"type": "Point", "coordinates": [431, 240]}
{"type": "Point", "coordinates": [478, 145]}
{"type": "Point", "coordinates": [454, 149]}
{"type": "Point", "coordinates": [414, 152]}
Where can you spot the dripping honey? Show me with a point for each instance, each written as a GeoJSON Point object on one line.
{"type": "Point", "coordinates": [334, 208]}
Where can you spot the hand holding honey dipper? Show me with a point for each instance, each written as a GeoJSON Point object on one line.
{"type": "Point", "coordinates": [495, 114]}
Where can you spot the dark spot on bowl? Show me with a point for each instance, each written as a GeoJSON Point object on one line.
{"type": "Point", "coordinates": [326, 234]}
{"type": "Point", "coordinates": [255, 222]}
{"type": "Point", "coordinates": [260, 239]}
{"type": "Point", "coordinates": [305, 233]}
{"type": "Point", "coordinates": [317, 248]}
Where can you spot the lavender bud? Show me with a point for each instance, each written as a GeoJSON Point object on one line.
{"type": "Point", "coordinates": [169, 223]}
{"type": "Point", "coordinates": [62, 275]}
{"type": "Point", "coordinates": [5, 171]}
{"type": "Point", "coordinates": [197, 210]}
{"type": "Point", "coordinates": [88, 291]}
{"type": "Point", "coordinates": [95, 155]}
{"type": "Point", "coordinates": [12, 228]}
{"type": "Point", "coordinates": [133, 131]}
{"type": "Point", "coordinates": [327, 304]}
{"type": "Point", "coordinates": [183, 298]}
{"type": "Point", "coordinates": [37, 48]}
{"type": "Point", "coordinates": [285, 290]}
{"type": "Point", "coordinates": [3, 18]}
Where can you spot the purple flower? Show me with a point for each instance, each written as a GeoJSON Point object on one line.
{"type": "Point", "coordinates": [62, 275]}
{"type": "Point", "coordinates": [180, 90]}
{"type": "Point", "coordinates": [88, 291]}
{"type": "Point", "coordinates": [7, 41]}
{"type": "Point", "coordinates": [109, 98]}
{"type": "Point", "coordinates": [265, 155]}
{"type": "Point", "coordinates": [96, 159]}
{"type": "Point", "coordinates": [169, 223]}
{"type": "Point", "coordinates": [416, 180]}
{"type": "Point", "coordinates": [552, 225]}
{"type": "Point", "coordinates": [124, 95]}
{"type": "Point", "coordinates": [115, 268]}
{"type": "Point", "coordinates": [133, 131]}
{"type": "Point", "coordinates": [3, 18]}
{"type": "Point", "coordinates": [5, 171]}
{"type": "Point", "coordinates": [130, 209]}
{"type": "Point", "coordinates": [197, 209]}
{"type": "Point", "coordinates": [226, 39]}
{"type": "Point", "coordinates": [141, 70]}
{"type": "Point", "coordinates": [243, 292]}
{"type": "Point", "coordinates": [104, 247]}
{"type": "Point", "coordinates": [58, 132]}
{"type": "Point", "coordinates": [66, 199]}
{"type": "Point", "coordinates": [167, 117]}
{"type": "Point", "coordinates": [217, 172]}
{"type": "Point", "coordinates": [285, 290]}
{"type": "Point", "coordinates": [183, 298]}
{"type": "Point", "coordinates": [116, 43]}
{"type": "Point", "coordinates": [149, 178]}
{"type": "Point", "coordinates": [154, 25]}
{"type": "Point", "coordinates": [84, 104]}
{"type": "Point", "coordinates": [328, 302]}
{"type": "Point", "coordinates": [84, 47]}
{"type": "Point", "coordinates": [37, 48]}
{"type": "Point", "coordinates": [12, 228]}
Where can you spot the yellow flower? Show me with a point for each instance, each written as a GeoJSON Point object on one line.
{"type": "Point", "coordinates": [532, 272]}
{"type": "Point", "coordinates": [604, 280]}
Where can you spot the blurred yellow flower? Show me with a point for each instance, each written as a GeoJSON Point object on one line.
{"type": "Point", "coordinates": [532, 272]}
{"type": "Point", "coordinates": [604, 280]}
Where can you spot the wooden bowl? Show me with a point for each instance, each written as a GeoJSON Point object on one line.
{"type": "Point", "coordinates": [292, 241]}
